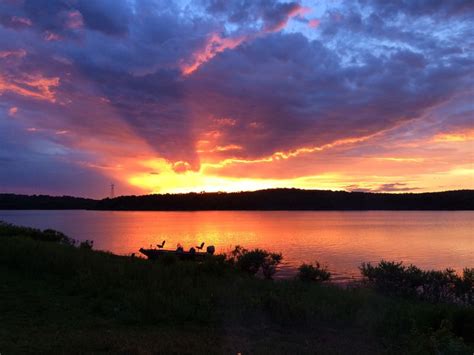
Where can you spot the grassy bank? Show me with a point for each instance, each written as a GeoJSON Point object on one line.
{"type": "Point", "coordinates": [56, 297]}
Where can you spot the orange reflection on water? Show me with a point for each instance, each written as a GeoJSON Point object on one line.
{"type": "Point", "coordinates": [342, 240]}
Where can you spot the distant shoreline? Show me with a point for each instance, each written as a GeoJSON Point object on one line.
{"type": "Point", "coordinates": [240, 210]}
{"type": "Point", "coordinates": [261, 200]}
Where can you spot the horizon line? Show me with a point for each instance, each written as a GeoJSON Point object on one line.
{"type": "Point", "coordinates": [243, 191]}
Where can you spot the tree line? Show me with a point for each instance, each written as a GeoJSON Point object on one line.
{"type": "Point", "coordinates": [271, 199]}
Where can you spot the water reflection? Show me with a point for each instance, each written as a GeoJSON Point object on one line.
{"type": "Point", "coordinates": [342, 240]}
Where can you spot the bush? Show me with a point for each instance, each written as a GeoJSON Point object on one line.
{"type": "Point", "coordinates": [313, 273]}
{"type": "Point", "coordinates": [87, 244]}
{"type": "Point", "coordinates": [48, 235]}
{"type": "Point", "coordinates": [252, 261]}
{"type": "Point", "coordinates": [465, 287]}
{"type": "Point", "coordinates": [432, 285]}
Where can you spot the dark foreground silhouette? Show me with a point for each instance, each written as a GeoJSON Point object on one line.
{"type": "Point", "coordinates": [272, 199]}
{"type": "Point", "coordinates": [58, 296]}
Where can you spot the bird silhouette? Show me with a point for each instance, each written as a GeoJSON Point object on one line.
{"type": "Point", "coordinates": [200, 247]}
{"type": "Point", "coordinates": [162, 244]}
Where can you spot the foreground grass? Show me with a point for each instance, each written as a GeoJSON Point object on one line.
{"type": "Point", "coordinates": [58, 298]}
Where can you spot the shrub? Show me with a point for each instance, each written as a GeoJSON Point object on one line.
{"type": "Point", "coordinates": [272, 260]}
{"type": "Point", "coordinates": [393, 277]}
{"type": "Point", "coordinates": [432, 285]}
{"type": "Point", "coordinates": [214, 264]}
{"type": "Point", "coordinates": [48, 235]}
{"type": "Point", "coordinates": [51, 235]}
{"type": "Point", "coordinates": [252, 261]}
{"type": "Point", "coordinates": [465, 287]}
{"type": "Point", "coordinates": [87, 244]}
{"type": "Point", "coordinates": [313, 273]}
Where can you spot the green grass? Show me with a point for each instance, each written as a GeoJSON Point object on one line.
{"type": "Point", "coordinates": [62, 299]}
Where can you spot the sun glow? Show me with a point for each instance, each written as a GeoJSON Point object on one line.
{"type": "Point", "coordinates": [455, 137]}
{"type": "Point", "coordinates": [161, 178]}
{"type": "Point", "coordinates": [393, 173]}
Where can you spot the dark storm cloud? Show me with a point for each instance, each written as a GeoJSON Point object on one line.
{"type": "Point", "coordinates": [247, 12]}
{"type": "Point", "coordinates": [418, 8]}
{"type": "Point", "coordinates": [300, 92]}
{"type": "Point", "coordinates": [108, 16]}
{"type": "Point", "coordinates": [118, 71]}
{"type": "Point", "coordinates": [60, 16]}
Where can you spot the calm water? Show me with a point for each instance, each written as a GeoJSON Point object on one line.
{"type": "Point", "coordinates": [342, 240]}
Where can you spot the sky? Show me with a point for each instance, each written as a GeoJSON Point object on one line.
{"type": "Point", "coordinates": [221, 95]}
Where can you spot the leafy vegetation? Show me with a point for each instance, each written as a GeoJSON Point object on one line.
{"type": "Point", "coordinates": [313, 273]}
{"type": "Point", "coordinates": [253, 261]}
{"type": "Point", "coordinates": [86, 244]}
{"type": "Point", "coordinates": [435, 286]}
{"type": "Point", "coordinates": [57, 298]}
{"type": "Point", "coordinates": [48, 235]}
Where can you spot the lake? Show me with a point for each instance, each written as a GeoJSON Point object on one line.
{"type": "Point", "coordinates": [341, 240]}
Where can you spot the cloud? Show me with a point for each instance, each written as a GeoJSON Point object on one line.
{"type": "Point", "coordinates": [387, 188]}
{"type": "Point", "coordinates": [12, 111]}
{"type": "Point", "coordinates": [239, 87]}
{"type": "Point", "coordinates": [301, 102]}
{"type": "Point", "coordinates": [60, 18]}
{"type": "Point", "coordinates": [314, 23]}
{"type": "Point", "coordinates": [271, 15]}
{"type": "Point", "coordinates": [34, 86]}
{"type": "Point", "coordinates": [416, 8]}
{"type": "Point", "coordinates": [12, 54]}
{"type": "Point", "coordinates": [108, 16]}
{"type": "Point", "coordinates": [213, 46]}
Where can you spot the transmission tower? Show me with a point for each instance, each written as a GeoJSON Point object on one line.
{"type": "Point", "coordinates": [112, 190]}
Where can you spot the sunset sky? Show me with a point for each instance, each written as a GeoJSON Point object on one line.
{"type": "Point", "coordinates": [220, 95]}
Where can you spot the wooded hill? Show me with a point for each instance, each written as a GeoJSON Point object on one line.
{"type": "Point", "coordinates": [272, 199]}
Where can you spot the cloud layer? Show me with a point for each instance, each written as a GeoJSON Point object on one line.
{"type": "Point", "coordinates": [225, 95]}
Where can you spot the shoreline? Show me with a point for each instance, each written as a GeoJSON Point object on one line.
{"type": "Point", "coordinates": [102, 302]}
{"type": "Point", "coordinates": [345, 268]}
{"type": "Point", "coordinates": [279, 199]}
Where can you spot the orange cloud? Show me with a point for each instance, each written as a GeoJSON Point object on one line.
{"type": "Point", "coordinates": [296, 11]}
{"type": "Point", "coordinates": [157, 175]}
{"type": "Point", "coordinates": [401, 159]}
{"type": "Point", "coordinates": [400, 172]}
{"type": "Point", "coordinates": [181, 167]}
{"type": "Point", "coordinates": [219, 148]}
{"type": "Point", "coordinates": [455, 137]}
{"type": "Point", "coordinates": [12, 111]}
{"type": "Point", "coordinates": [34, 86]}
{"type": "Point", "coordinates": [167, 180]}
{"type": "Point", "coordinates": [290, 154]}
{"type": "Point", "coordinates": [217, 44]}
{"type": "Point", "coordinates": [214, 45]}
